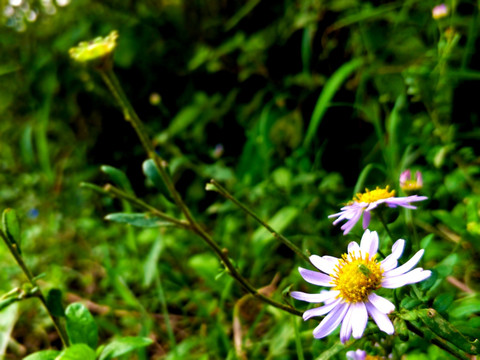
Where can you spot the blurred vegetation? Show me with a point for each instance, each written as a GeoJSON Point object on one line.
{"type": "Point", "coordinates": [293, 105]}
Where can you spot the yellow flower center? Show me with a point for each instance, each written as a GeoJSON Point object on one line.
{"type": "Point", "coordinates": [374, 195]}
{"type": "Point", "coordinates": [374, 357]}
{"type": "Point", "coordinates": [356, 277]}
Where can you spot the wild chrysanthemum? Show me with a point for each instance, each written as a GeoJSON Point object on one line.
{"type": "Point", "coordinates": [357, 355]}
{"type": "Point", "coordinates": [352, 280]}
{"type": "Point", "coordinates": [363, 203]}
{"type": "Point", "coordinates": [439, 11]}
{"type": "Point", "coordinates": [408, 183]}
{"type": "Point", "coordinates": [362, 355]}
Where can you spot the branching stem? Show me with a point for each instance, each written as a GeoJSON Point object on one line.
{"type": "Point", "coordinates": [19, 260]}
{"type": "Point", "coordinates": [222, 191]}
{"type": "Point", "coordinates": [130, 115]}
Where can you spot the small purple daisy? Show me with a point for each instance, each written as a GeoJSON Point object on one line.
{"type": "Point", "coordinates": [353, 278]}
{"type": "Point", "coordinates": [365, 202]}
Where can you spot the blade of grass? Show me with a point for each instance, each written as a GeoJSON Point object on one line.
{"type": "Point", "coordinates": [323, 102]}
{"type": "Point", "coordinates": [393, 148]}
{"type": "Point", "coordinates": [239, 15]}
{"type": "Point", "coordinates": [41, 139]}
{"type": "Point", "coordinates": [360, 185]}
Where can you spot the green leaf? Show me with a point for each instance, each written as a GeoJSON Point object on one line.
{"type": "Point", "coordinates": [11, 227]}
{"type": "Point", "coordinates": [329, 90]}
{"type": "Point", "coordinates": [443, 301]}
{"type": "Point", "coordinates": [118, 177]}
{"type": "Point", "coordinates": [408, 315]}
{"type": "Point", "coordinates": [331, 352]}
{"type": "Point", "coordinates": [151, 262]}
{"type": "Point", "coordinates": [465, 307]}
{"type": "Point", "coordinates": [394, 121]}
{"type": "Point", "coordinates": [432, 319]}
{"type": "Point", "coordinates": [77, 352]}
{"type": "Point", "coordinates": [428, 283]}
{"type": "Point", "coordinates": [26, 146]}
{"type": "Point", "coordinates": [137, 219]}
{"type": "Point", "coordinates": [123, 346]}
{"type": "Point", "coordinates": [446, 266]}
{"type": "Point", "coordinates": [54, 302]}
{"type": "Point", "coordinates": [401, 329]}
{"type": "Point", "coordinates": [152, 174]}
{"type": "Point", "coordinates": [409, 303]}
{"type": "Point", "coordinates": [43, 355]}
{"type": "Point", "coordinates": [279, 222]}
{"type": "Point", "coordinates": [81, 326]}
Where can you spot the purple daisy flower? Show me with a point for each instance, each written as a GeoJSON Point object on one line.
{"type": "Point", "coordinates": [362, 355]}
{"type": "Point", "coordinates": [357, 355]}
{"type": "Point", "coordinates": [408, 183]}
{"type": "Point", "coordinates": [440, 11]}
{"type": "Point", "coordinates": [353, 278]}
{"type": "Point", "coordinates": [364, 203]}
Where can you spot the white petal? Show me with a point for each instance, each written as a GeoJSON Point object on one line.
{"type": "Point", "coordinates": [407, 266]}
{"type": "Point", "coordinates": [382, 304]}
{"type": "Point", "coordinates": [315, 277]}
{"type": "Point", "coordinates": [315, 298]}
{"type": "Point", "coordinates": [359, 319]}
{"type": "Point", "coordinates": [353, 248]}
{"type": "Point", "coordinates": [346, 329]}
{"type": "Point", "coordinates": [331, 321]}
{"type": "Point", "coordinates": [411, 277]}
{"type": "Point", "coordinates": [324, 263]}
{"type": "Point", "coordinates": [381, 319]}
{"type": "Point", "coordinates": [369, 243]}
{"type": "Point", "coordinates": [333, 296]}
{"type": "Point", "coordinates": [322, 310]}
{"type": "Point", "coordinates": [391, 260]}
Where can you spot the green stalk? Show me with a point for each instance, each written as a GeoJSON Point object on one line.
{"type": "Point", "coordinates": [436, 341]}
{"type": "Point", "coordinates": [166, 315]}
{"type": "Point", "coordinates": [222, 191]}
{"type": "Point", "coordinates": [19, 260]}
{"type": "Point", "coordinates": [130, 115]}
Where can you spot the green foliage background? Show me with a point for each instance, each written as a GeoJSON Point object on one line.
{"type": "Point", "coordinates": [292, 105]}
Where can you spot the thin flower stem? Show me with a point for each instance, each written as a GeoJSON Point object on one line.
{"type": "Point", "coordinates": [222, 191]}
{"type": "Point", "coordinates": [19, 260]}
{"type": "Point", "coordinates": [436, 341]}
{"type": "Point", "coordinates": [384, 223]}
{"type": "Point", "coordinates": [130, 115]}
{"type": "Point", "coordinates": [409, 216]}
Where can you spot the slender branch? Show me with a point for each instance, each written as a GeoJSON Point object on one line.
{"type": "Point", "coordinates": [130, 115]}
{"type": "Point", "coordinates": [436, 341]}
{"type": "Point", "coordinates": [222, 191]}
{"type": "Point", "coordinates": [19, 260]}
{"type": "Point", "coordinates": [116, 192]}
